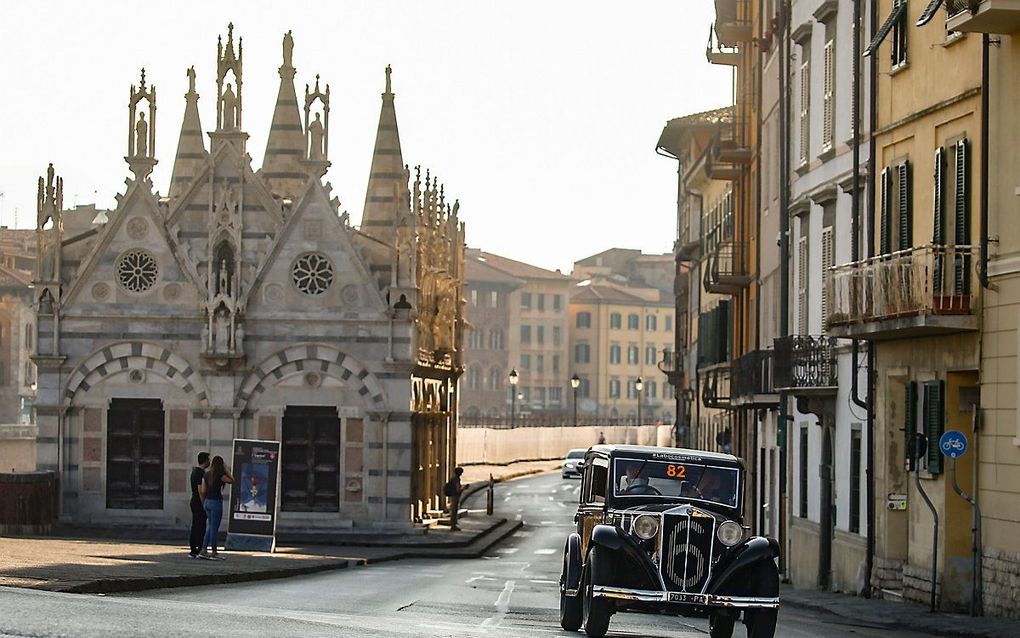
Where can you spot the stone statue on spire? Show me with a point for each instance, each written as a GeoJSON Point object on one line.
{"type": "Point", "coordinates": [288, 49]}
{"type": "Point", "coordinates": [317, 130]}
{"type": "Point", "coordinates": [228, 104]}
{"type": "Point", "coordinates": [141, 132]}
{"type": "Point", "coordinates": [191, 79]}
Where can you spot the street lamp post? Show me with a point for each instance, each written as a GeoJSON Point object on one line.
{"type": "Point", "coordinates": [575, 382]}
{"type": "Point", "coordinates": [638, 385]}
{"type": "Point", "coordinates": [513, 377]}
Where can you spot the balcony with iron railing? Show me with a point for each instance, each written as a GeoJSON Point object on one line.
{"type": "Point", "coordinates": [672, 365]}
{"type": "Point", "coordinates": [717, 53]}
{"type": "Point", "coordinates": [687, 246]}
{"type": "Point", "coordinates": [751, 380]}
{"type": "Point", "coordinates": [983, 16]}
{"type": "Point", "coordinates": [727, 270]}
{"type": "Point", "coordinates": [805, 364]}
{"type": "Point", "coordinates": [715, 387]}
{"type": "Point", "coordinates": [910, 293]}
{"type": "Point", "coordinates": [733, 23]}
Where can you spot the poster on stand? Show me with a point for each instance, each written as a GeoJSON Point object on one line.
{"type": "Point", "coordinates": [251, 522]}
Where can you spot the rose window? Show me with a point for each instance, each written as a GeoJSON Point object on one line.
{"type": "Point", "coordinates": [137, 271]}
{"type": "Point", "coordinates": [313, 274]}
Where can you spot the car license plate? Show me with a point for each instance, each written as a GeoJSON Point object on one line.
{"type": "Point", "coordinates": [694, 599]}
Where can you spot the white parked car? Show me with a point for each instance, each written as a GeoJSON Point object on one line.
{"type": "Point", "coordinates": [570, 463]}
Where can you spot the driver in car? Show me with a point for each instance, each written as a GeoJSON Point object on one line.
{"type": "Point", "coordinates": [634, 484]}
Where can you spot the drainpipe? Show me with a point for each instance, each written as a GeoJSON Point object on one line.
{"type": "Point", "coordinates": [870, 491]}
{"type": "Point", "coordinates": [784, 271]}
{"type": "Point", "coordinates": [855, 255]}
{"type": "Point", "coordinates": [983, 269]}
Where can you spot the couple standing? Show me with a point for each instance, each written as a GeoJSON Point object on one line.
{"type": "Point", "coordinates": [207, 480]}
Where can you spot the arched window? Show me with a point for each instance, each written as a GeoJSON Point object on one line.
{"type": "Point", "coordinates": [495, 378]}
{"type": "Point", "coordinates": [474, 377]}
{"type": "Point", "coordinates": [496, 339]}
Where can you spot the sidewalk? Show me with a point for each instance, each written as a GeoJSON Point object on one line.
{"type": "Point", "coordinates": [90, 565]}
{"type": "Point", "coordinates": [898, 615]}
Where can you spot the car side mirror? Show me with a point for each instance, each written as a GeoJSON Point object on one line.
{"type": "Point", "coordinates": [580, 464]}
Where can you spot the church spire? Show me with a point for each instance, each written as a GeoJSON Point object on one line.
{"type": "Point", "coordinates": [285, 149]}
{"type": "Point", "coordinates": [191, 151]}
{"type": "Point", "coordinates": [386, 199]}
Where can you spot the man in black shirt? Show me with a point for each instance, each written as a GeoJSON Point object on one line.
{"type": "Point", "coordinates": [198, 517]}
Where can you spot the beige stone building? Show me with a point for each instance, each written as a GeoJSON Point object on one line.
{"type": "Point", "coordinates": [245, 304]}
{"type": "Point", "coordinates": [917, 296]}
{"type": "Point", "coordinates": [996, 449]}
{"type": "Point", "coordinates": [537, 342]}
{"type": "Point", "coordinates": [485, 395]}
{"type": "Point", "coordinates": [17, 372]}
{"type": "Point", "coordinates": [617, 334]}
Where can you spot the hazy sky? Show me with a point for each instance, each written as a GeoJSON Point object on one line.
{"type": "Point", "coordinates": [540, 116]}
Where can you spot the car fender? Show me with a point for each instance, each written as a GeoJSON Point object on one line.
{"type": "Point", "coordinates": [620, 543]}
{"type": "Point", "coordinates": [572, 569]}
{"type": "Point", "coordinates": [755, 550]}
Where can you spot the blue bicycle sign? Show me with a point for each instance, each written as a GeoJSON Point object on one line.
{"type": "Point", "coordinates": [953, 444]}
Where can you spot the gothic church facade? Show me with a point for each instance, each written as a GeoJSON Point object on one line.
{"type": "Point", "coordinates": [244, 304]}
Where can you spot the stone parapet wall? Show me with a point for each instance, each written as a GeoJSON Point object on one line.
{"type": "Point", "coordinates": [500, 446]}
{"type": "Point", "coordinates": [1000, 578]}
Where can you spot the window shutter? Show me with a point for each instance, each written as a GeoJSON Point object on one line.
{"type": "Point", "coordinates": [828, 104]}
{"type": "Point", "coordinates": [962, 219]}
{"type": "Point", "coordinates": [802, 286]}
{"type": "Point", "coordinates": [934, 423]}
{"type": "Point", "coordinates": [910, 425]}
{"type": "Point", "coordinates": [805, 104]}
{"type": "Point", "coordinates": [905, 205]}
{"type": "Point", "coordinates": [827, 263]}
{"type": "Point", "coordinates": [938, 235]}
{"type": "Point", "coordinates": [885, 207]}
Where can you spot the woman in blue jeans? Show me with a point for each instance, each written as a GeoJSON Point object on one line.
{"type": "Point", "coordinates": [211, 491]}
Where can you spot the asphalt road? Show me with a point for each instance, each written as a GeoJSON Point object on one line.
{"type": "Point", "coordinates": [510, 593]}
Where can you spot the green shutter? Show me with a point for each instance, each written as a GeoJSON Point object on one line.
{"type": "Point", "coordinates": [938, 235]}
{"type": "Point", "coordinates": [910, 424]}
{"type": "Point", "coordinates": [905, 205]}
{"type": "Point", "coordinates": [885, 205]}
{"type": "Point", "coordinates": [934, 422]}
{"type": "Point", "coordinates": [962, 213]}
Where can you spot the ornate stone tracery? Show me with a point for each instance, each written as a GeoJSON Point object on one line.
{"type": "Point", "coordinates": [141, 152]}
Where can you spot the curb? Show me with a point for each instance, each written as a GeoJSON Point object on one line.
{"type": "Point", "coordinates": [891, 625]}
{"type": "Point", "coordinates": [481, 485]}
{"type": "Point", "coordinates": [120, 585]}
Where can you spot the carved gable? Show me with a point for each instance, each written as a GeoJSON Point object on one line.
{"type": "Point", "coordinates": [134, 264]}
{"type": "Point", "coordinates": [315, 267]}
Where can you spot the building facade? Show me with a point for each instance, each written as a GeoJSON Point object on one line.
{"type": "Point", "coordinates": [487, 363]}
{"type": "Point", "coordinates": [245, 305]}
{"type": "Point", "coordinates": [618, 332]}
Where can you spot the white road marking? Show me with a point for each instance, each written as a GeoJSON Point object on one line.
{"type": "Point", "coordinates": [508, 550]}
{"type": "Point", "coordinates": [561, 503]}
{"type": "Point", "coordinates": [502, 605]}
{"type": "Point", "coordinates": [545, 552]}
{"type": "Point", "coordinates": [539, 581]}
{"type": "Point", "coordinates": [547, 523]}
{"type": "Point", "coordinates": [474, 578]}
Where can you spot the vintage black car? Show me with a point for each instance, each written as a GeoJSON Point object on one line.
{"type": "Point", "coordinates": [660, 529]}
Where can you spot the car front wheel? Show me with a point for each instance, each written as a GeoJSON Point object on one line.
{"type": "Point", "coordinates": [761, 623]}
{"type": "Point", "coordinates": [720, 626]}
{"type": "Point", "coordinates": [571, 611]}
{"type": "Point", "coordinates": [596, 610]}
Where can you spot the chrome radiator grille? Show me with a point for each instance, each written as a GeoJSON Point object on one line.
{"type": "Point", "coordinates": [687, 543]}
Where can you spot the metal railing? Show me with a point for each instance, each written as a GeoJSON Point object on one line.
{"type": "Point", "coordinates": [931, 280]}
{"type": "Point", "coordinates": [715, 388]}
{"type": "Point", "coordinates": [727, 271]}
{"type": "Point", "coordinates": [751, 374]}
{"type": "Point", "coordinates": [805, 361]}
{"type": "Point", "coordinates": [956, 7]}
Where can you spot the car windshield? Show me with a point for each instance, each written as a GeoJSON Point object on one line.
{"type": "Point", "coordinates": [576, 454]}
{"type": "Point", "coordinates": [646, 477]}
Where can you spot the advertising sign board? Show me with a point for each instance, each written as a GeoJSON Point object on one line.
{"type": "Point", "coordinates": [251, 522]}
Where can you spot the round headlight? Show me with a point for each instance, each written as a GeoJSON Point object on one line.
{"type": "Point", "coordinates": [646, 527]}
{"type": "Point", "coordinates": [730, 533]}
